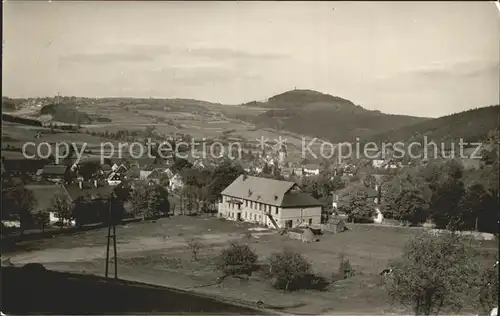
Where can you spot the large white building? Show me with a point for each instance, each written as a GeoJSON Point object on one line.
{"type": "Point", "coordinates": [269, 202]}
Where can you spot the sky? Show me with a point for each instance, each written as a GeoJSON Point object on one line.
{"type": "Point", "coordinates": [415, 58]}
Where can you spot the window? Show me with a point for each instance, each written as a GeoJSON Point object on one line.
{"type": "Point", "coordinates": [276, 211]}
{"type": "Point", "coordinates": [310, 221]}
{"type": "Point", "coordinates": [246, 203]}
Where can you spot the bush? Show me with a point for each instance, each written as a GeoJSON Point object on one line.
{"type": "Point", "coordinates": [236, 260]}
{"type": "Point", "coordinates": [289, 270]}
{"type": "Point", "coordinates": [345, 270]}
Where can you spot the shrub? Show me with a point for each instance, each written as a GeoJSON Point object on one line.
{"type": "Point", "coordinates": [237, 259]}
{"type": "Point", "coordinates": [289, 270]}
{"type": "Point", "coordinates": [345, 269]}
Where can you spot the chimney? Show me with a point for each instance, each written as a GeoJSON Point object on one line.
{"type": "Point", "coordinates": [95, 183]}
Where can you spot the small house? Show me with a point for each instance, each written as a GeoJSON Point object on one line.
{"type": "Point", "coordinates": [336, 225]}
{"type": "Point", "coordinates": [311, 170]}
{"type": "Point", "coordinates": [114, 178]}
{"type": "Point", "coordinates": [119, 168]}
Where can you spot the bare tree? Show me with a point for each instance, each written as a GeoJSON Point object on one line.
{"type": "Point", "coordinates": [195, 245]}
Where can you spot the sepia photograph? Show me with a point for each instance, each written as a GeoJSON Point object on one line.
{"type": "Point", "coordinates": [250, 157]}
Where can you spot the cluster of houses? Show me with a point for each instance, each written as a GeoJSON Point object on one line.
{"type": "Point", "coordinates": [86, 178]}
{"type": "Point", "coordinates": [273, 203]}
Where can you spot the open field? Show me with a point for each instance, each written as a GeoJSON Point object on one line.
{"type": "Point", "coordinates": [156, 252]}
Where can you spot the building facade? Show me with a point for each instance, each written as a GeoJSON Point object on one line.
{"type": "Point", "coordinates": [269, 202]}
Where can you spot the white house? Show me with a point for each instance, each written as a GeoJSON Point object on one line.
{"type": "Point", "coordinates": [378, 163]}
{"type": "Point", "coordinates": [311, 170]}
{"type": "Point", "coordinates": [114, 179]}
{"type": "Point", "coordinates": [269, 202]}
{"type": "Point", "coordinates": [176, 183]}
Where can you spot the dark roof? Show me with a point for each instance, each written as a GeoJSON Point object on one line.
{"type": "Point", "coordinates": [103, 190]}
{"type": "Point", "coordinates": [133, 171]}
{"type": "Point", "coordinates": [54, 170]}
{"type": "Point", "coordinates": [336, 221]}
{"type": "Point", "coordinates": [312, 166]}
{"type": "Point", "coordinates": [142, 161]}
{"type": "Point", "coordinates": [299, 199]}
{"type": "Point", "coordinates": [154, 166]}
{"type": "Point", "coordinates": [44, 193]}
{"type": "Point", "coordinates": [106, 167]}
{"type": "Point", "coordinates": [156, 173]}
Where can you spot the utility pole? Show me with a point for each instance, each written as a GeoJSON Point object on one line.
{"type": "Point", "coordinates": [111, 224]}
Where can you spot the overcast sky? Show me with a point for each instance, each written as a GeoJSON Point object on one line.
{"type": "Point", "coordinates": [424, 59]}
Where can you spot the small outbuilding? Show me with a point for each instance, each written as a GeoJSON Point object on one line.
{"type": "Point", "coordinates": [337, 226]}
{"type": "Point", "coordinates": [304, 234]}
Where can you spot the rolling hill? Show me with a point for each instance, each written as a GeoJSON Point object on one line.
{"type": "Point", "coordinates": [472, 125]}
{"type": "Point", "coordinates": [69, 113]}
{"type": "Point", "coordinates": [325, 116]}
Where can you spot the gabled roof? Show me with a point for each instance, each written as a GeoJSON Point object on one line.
{"type": "Point", "coordinates": [133, 171]}
{"type": "Point", "coordinates": [57, 170]}
{"type": "Point", "coordinates": [44, 193]}
{"type": "Point", "coordinates": [156, 174]}
{"type": "Point", "coordinates": [311, 166]}
{"type": "Point", "coordinates": [74, 191]}
{"type": "Point", "coordinates": [299, 199]}
{"type": "Point", "coordinates": [263, 190]}
{"type": "Point", "coordinates": [336, 221]}
{"type": "Point", "coordinates": [154, 167]}
{"type": "Point", "coordinates": [106, 167]}
{"type": "Point", "coordinates": [112, 175]}
{"type": "Point", "coordinates": [143, 161]}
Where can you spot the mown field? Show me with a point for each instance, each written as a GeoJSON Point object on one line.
{"type": "Point", "coordinates": [157, 253]}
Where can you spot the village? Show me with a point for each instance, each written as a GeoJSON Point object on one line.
{"type": "Point", "coordinates": [306, 158]}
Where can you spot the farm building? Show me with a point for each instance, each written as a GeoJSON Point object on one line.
{"type": "Point", "coordinates": [269, 202]}
{"type": "Point", "coordinates": [335, 226]}
{"type": "Point", "coordinates": [56, 173]}
{"type": "Point", "coordinates": [303, 234]}
{"type": "Point", "coordinates": [15, 163]}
